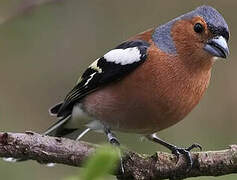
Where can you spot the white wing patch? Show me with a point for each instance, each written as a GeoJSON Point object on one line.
{"type": "Point", "coordinates": [123, 56]}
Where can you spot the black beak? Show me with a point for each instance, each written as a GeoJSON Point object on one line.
{"type": "Point", "coordinates": [217, 47]}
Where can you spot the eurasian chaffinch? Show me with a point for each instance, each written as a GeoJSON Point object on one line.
{"type": "Point", "coordinates": [147, 83]}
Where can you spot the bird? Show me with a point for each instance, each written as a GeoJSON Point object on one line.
{"type": "Point", "coordinates": [147, 83]}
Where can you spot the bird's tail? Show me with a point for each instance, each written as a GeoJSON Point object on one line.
{"type": "Point", "coordinates": [53, 111]}
{"type": "Point", "coordinates": [58, 129]}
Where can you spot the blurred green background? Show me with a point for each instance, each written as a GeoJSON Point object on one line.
{"type": "Point", "coordinates": [44, 49]}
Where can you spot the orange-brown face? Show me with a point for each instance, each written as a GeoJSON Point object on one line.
{"type": "Point", "coordinates": [191, 36]}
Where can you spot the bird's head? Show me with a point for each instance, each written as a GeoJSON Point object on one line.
{"type": "Point", "coordinates": [199, 34]}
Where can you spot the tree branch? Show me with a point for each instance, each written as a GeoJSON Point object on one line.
{"type": "Point", "coordinates": [23, 7]}
{"type": "Point", "coordinates": [45, 149]}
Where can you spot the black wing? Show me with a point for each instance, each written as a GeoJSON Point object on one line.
{"type": "Point", "coordinates": [113, 66]}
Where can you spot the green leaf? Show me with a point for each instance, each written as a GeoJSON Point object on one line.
{"type": "Point", "coordinates": [104, 161]}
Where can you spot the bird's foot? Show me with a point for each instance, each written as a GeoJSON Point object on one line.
{"type": "Point", "coordinates": [186, 153]}
{"type": "Point", "coordinates": [176, 150]}
{"type": "Point", "coordinates": [115, 142]}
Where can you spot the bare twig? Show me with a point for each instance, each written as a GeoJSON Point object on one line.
{"type": "Point", "coordinates": [45, 149]}
{"type": "Point", "coordinates": [23, 7]}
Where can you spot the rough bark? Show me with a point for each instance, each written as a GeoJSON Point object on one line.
{"type": "Point", "coordinates": [45, 149]}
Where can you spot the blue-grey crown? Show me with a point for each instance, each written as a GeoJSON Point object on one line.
{"type": "Point", "coordinates": [162, 35]}
{"type": "Point", "coordinates": [211, 16]}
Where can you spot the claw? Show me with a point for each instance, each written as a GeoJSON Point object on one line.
{"type": "Point", "coordinates": [186, 152]}
{"type": "Point", "coordinates": [193, 146]}
{"type": "Point", "coordinates": [175, 150]}
{"type": "Point", "coordinates": [187, 155]}
{"type": "Point", "coordinates": [121, 164]}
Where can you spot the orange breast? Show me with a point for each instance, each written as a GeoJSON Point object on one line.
{"type": "Point", "coordinates": [158, 94]}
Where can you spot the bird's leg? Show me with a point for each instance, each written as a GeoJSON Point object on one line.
{"type": "Point", "coordinates": [114, 141]}
{"type": "Point", "coordinates": [176, 150]}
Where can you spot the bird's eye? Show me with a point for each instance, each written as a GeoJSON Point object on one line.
{"type": "Point", "coordinates": [198, 28]}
